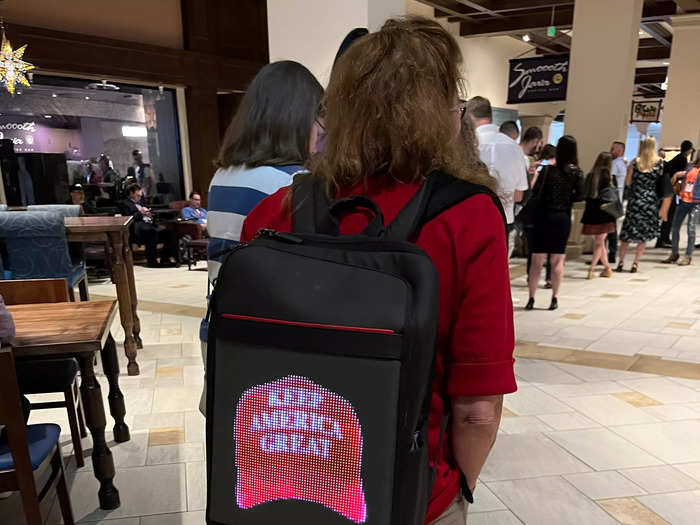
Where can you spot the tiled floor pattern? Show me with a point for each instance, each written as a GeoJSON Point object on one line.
{"type": "Point", "coordinates": [578, 444]}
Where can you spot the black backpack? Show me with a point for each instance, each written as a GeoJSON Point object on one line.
{"type": "Point", "coordinates": [320, 362]}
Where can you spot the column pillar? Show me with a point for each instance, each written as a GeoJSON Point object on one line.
{"type": "Point", "coordinates": [312, 35]}
{"type": "Point", "coordinates": [601, 80]}
{"type": "Point", "coordinates": [681, 109]}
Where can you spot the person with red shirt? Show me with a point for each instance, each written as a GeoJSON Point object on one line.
{"type": "Point", "coordinates": [392, 114]}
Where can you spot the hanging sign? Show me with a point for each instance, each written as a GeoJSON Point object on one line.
{"type": "Point", "coordinates": [540, 79]}
{"type": "Point", "coordinates": [645, 111]}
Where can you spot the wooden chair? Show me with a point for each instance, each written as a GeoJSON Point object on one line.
{"type": "Point", "coordinates": [42, 376]}
{"type": "Point", "coordinates": [26, 449]}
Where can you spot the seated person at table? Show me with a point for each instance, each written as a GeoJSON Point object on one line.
{"type": "Point", "coordinates": [77, 196]}
{"type": "Point", "coordinates": [194, 211]}
{"type": "Point", "coordinates": [144, 231]}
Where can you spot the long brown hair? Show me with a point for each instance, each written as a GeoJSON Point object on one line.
{"type": "Point", "coordinates": [600, 176]}
{"type": "Point", "coordinates": [272, 125]}
{"type": "Point", "coordinates": [389, 109]}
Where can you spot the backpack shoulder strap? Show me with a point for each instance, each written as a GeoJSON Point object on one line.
{"type": "Point", "coordinates": [310, 203]}
{"type": "Point", "coordinates": [439, 192]}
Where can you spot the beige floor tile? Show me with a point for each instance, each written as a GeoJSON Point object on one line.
{"type": "Point", "coordinates": [582, 389]}
{"type": "Point", "coordinates": [176, 399]}
{"type": "Point", "coordinates": [507, 413]}
{"type": "Point", "coordinates": [529, 401]}
{"type": "Point", "coordinates": [609, 410]}
{"type": "Point", "coordinates": [177, 453]}
{"type": "Point", "coordinates": [574, 316]}
{"type": "Point", "coordinates": [672, 412]}
{"type": "Point", "coordinates": [691, 469]}
{"type": "Point", "coordinates": [604, 485]}
{"type": "Point", "coordinates": [195, 427]}
{"type": "Point", "coordinates": [523, 425]}
{"type": "Point", "coordinates": [498, 517]}
{"type": "Point", "coordinates": [568, 421]}
{"type": "Point", "coordinates": [516, 456]}
{"type": "Point", "coordinates": [661, 479]}
{"type": "Point", "coordinates": [637, 399]}
{"type": "Point", "coordinates": [543, 372]}
{"type": "Point", "coordinates": [663, 390]}
{"type": "Point", "coordinates": [629, 511]}
{"type": "Point", "coordinates": [143, 491]}
{"type": "Point", "coordinates": [185, 518]}
{"type": "Point", "coordinates": [169, 371]}
{"type": "Point", "coordinates": [673, 441]}
{"type": "Point", "coordinates": [166, 436]}
{"type": "Point", "coordinates": [548, 501]}
{"type": "Point", "coordinates": [158, 420]}
{"type": "Point", "coordinates": [601, 449]}
{"type": "Point", "coordinates": [679, 508]}
{"type": "Point", "coordinates": [485, 500]}
{"type": "Point", "coordinates": [196, 486]}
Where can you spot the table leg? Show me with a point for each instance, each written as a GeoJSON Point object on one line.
{"type": "Point", "coordinates": [110, 365]}
{"type": "Point", "coordinates": [124, 296]}
{"type": "Point", "coordinates": [129, 259]}
{"type": "Point", "coordinates": [102, 460]}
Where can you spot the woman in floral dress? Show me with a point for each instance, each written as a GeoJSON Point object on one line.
{"type": "Point", "coordinates": [642, 222]}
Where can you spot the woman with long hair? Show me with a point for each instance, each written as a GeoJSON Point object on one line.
{"type": "Point", "coordinates": [557, 188]}
{"type": "Point", "coordinates": [642, 222]}
{"type": "Point", "coordinates": [271, 136]}
{"type": "Point", "coordinates": [596, 222]}
{"type": "Point", "coordinates": [392, 115]}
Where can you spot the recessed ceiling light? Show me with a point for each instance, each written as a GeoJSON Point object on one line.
{"type": "Point", "coordinates": [48, 116]}
{"type": "Point", "coordinates": [54, 95]}
{"type": "Point", "coordinates": [526, 38]}
{"type": "Point", "coordinates": [87, 98]}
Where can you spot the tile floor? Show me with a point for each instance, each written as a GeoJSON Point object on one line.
{"type": "Point", "coordinates": [578, 444]}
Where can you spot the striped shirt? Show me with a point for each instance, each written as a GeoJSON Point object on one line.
{"type": "Point", "coordinates": [233, 194]}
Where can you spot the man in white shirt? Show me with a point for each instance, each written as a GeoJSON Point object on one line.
{"type": "Point", "coordinates": [503, 157]}
{"type": "Point", "coordinates": [619, 173]}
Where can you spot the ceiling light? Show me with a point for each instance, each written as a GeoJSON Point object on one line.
{"type": "Point", "coordinates": [641, 33]}
{"type": "Point", "coordinates": [87, 98]}
{"type": "Point", "coordinates": [54, 95]}
{"type": "Point", "coordinates": [526, 38]}
{"type": "Point", "coordinates": [665, 63]}
{"type": "Point", "coordinates": [134, 131]}
{"type": "Point", "coordinates": [48, 116]}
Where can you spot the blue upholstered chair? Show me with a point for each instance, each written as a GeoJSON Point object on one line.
{"type": "Point", "coordinates": [37, 249]}
{"type": "Point", "coordinates": [64, 210]}
{"type": "Point", "coordinates": [26, 449]}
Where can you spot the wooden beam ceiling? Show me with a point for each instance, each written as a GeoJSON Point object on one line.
{"type": "Point", "coordinates": [517, 16]}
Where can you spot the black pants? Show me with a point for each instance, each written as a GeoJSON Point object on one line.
{"type": "Point", "coordinates": [150, 235]}
{"type": "Point", "coordinates": [665, 237]}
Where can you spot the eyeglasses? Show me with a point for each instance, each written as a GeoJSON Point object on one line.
{"type": "Point", "coordinates": [461, 107]}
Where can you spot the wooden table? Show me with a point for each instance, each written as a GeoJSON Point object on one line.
{"type": "Point", "coordinates": [80, 330]}
{"type": "Point", "coordinates": [113, 232]}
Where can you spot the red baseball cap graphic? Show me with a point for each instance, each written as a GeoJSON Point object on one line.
{"type": "Point", "coordinates": [297, 440]}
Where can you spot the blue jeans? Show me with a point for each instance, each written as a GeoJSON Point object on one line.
{"type": "Point", "coordinates": [684, 209]}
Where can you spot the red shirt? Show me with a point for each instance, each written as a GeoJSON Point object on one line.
{"type": "Point", "coordinates": [475, 327]}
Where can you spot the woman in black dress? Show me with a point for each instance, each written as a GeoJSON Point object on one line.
{"type": "Point", "coordinates": [596, 222]}
{"type": "Point", "coordinates": [556, 190]}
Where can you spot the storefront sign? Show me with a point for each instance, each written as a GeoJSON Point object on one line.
{"type": "Point", "coordinates": [538, 79]}
{"type": "Point", "coordinates": [645, 111]}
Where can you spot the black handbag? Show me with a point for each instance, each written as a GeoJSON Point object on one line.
{"type": "Point", "coordinates": [611, 202]}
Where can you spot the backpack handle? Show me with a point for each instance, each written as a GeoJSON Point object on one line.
{"type": "Point", "coordinates": [331, 222]}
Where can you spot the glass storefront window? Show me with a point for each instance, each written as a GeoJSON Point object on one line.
{"type": "Point", "coordinates": [63, 131]}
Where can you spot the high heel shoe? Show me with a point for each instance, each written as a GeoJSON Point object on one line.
{"type": "Point", "coordinates": [607, 272]}
{"type": "Point", "coordinates": [530, 304]}
{"type": "Point", "coordinates": [591, 275]}
{"type": "Point", "coordinates": [620, 267]}
{"type": "Point", "coordinates": [634, 268]}
{"type": "Point", "coordinates": [554, 304]}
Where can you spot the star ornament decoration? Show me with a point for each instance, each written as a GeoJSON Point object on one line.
{"type": "Point", "coordinates": [12, 67]}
